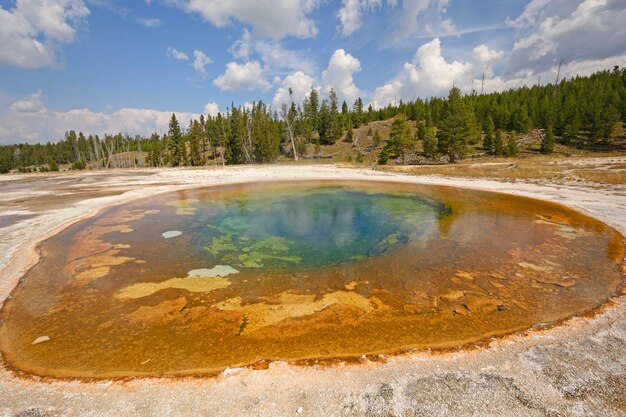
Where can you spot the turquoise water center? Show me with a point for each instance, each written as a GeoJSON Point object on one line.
{"type": "Point", "coordinates": [315, 227]}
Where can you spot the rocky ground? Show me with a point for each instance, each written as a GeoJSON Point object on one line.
{"type": "Point", "coordinates": [576, 368]}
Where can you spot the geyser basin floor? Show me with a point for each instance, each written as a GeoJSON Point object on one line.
{"type": "Point", "coordinates": [307, 270]}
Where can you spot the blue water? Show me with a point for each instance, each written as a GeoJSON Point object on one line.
{"type": "Point", "coordinates": [311, 227]}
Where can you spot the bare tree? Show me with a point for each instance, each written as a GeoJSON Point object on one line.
{"type": "Point", "coordinates": [110, 148]}
{"type": "Point", "coordinates": [247, 145]}
{"type": "Point", "coordinates": [285, 115]}
{"type": "Point", "coordinates": [142, 162]}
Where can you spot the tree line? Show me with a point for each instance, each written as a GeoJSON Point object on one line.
{"type": "Point", "coordinates": [582, 111]}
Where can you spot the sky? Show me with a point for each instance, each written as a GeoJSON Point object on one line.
{"type": "Point", "coordinates": [108, 66]}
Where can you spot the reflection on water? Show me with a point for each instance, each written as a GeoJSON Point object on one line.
{"type": "Point", "coordinates": [316, 227]}
{"type": "Point", "coordinates": [198, 281]}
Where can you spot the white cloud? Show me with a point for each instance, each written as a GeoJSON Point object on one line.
{"type": "Point", "coordinates": [32, 104]}
{"type": "Point", "coordinates": [243, 47]}
{"type": "Point", "coordinates": [442, 5]}
{"type": "Point", "coordinates": [387, 93]}
{"type": "Point", "coordinates": [275, 57]}
{"type": "Point", "coordinates": [573, 31]}
{"type": "Point", "coordinates": [29, 120]}
{"type": "Point", "coordinates": [486, 58]}
{"type": "Point", "coordinates": [268, 18]}
{"type": "Point", "coordinates": [411, 10]}
{"type": "Point", "coordinates": [176, 54]}
{"type": "Point", "coordinates": [350, 17]}
{"type": "Point", "coordinates": [53, 18]}
{"type": "Point", "coordinates": [448, 26]}
{"type": "Point", "coordinates": [150, 22]}
{"type": "Point", "coordinates": [532, 12]}
{"type": "Point", "coordinates": [33, 30]}
{"type": "Point", "coordinates": [200, 61]}
{"type": "Point", "coordinates": [350, 14]}
{"type": "Point", "coordinates": [239, 77]}
{"type": "Point", "coordinates": [433, 9]}
{"type": "Point", "coordinates": [112, 6]}
{"type": "Point", "coordinates": [340, 75]}
{"type": "Point", "coordinates": [428, 74]}
{"type": "Point", "coordinates": [212, 109]}
{"type": "Point", "coordinates": [300, 85]}
{"type": "Point", "coordinates": [484, 54]}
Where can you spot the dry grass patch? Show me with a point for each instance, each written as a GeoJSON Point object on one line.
{"type": "Point", "coordinates": [595, 170]}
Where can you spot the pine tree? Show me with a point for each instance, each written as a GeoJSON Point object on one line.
{"type": "Point", "coordinates": [610, 117]}
{"type": "Point", "coordinates": [570, 131]}
{"type": "Point", "coordinates": [421, 132]}
{"type": "Point", "coordinates": [512, 148]}
{"type": "Point", "coordinates": [72, 141]}
{"type": "Point", "coordinates": [458, 127]}
{"type": "Point", "coordinates": [174, 142]}
{"type": "Point", "coordinates": [344, 108]}
{"type": "Point", "coordinates": [383, 158]}
{"type": "Point", "coordinates": [377, 138]}
{"type": "Point", "coordinates": [324, 123]}
{"type": "Point", "coordinates": [311, 114]}
{"type": "Point", "coordinates": [548, 141]}
{"type": "Point", "coordinates": [400, 141]}
{"type": "Point", "coordinates": [336, 125]}
{"type": "Point", "coordinates": [488, 142]}
{"type": "Point", "coordinates": [520, 120]}
{"type": "Point", "coordinates": [597, 126]}
{"type": "Point", "coordinates": [498, 144]}
{"type": "Point", "coordinates": [358, 118]}
{"type": "Point", "coordinates": [196, 157]}
{"type": "Point", "coordinates": [235, 135]}
{"type": "Point", "coordinates": [52, 165]}
{"type": "Point", "coordinates": [430, 143]}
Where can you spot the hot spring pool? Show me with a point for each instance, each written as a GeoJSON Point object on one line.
{"type": "Point", "coordinates": [197, 281]}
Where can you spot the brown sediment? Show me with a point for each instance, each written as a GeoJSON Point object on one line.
{"type": "Point", "coordinates": [92, 257]}
{"type": "Point", "coordinates": [277, 317]}
{"type": "Point", "coordinates": [164, 311]}
{"type": "Point", "coordinates": [324, 359]}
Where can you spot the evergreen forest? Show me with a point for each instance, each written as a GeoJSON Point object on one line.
{"type": "Point", "coordinates": [581, 112]}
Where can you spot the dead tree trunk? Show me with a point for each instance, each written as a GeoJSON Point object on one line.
{"type": "Point", "coordinates": [285, 115]}
{"type": "Point", "coordinates": [142, 162]}
{"type": "Point", "coordinates": [109, 153]}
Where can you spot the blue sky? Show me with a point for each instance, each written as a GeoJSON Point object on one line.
{"type": "Point", "coordinates": [111, 65]}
